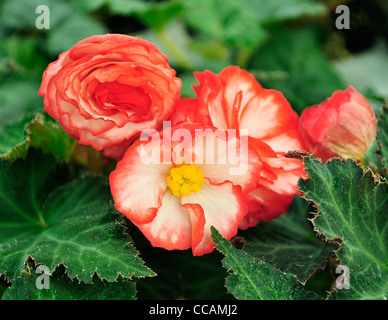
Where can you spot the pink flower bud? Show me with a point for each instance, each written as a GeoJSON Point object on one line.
{"type": "Point", "coordinates": [344, 125]}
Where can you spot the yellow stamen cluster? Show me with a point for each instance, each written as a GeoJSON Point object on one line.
{"type": "Point", "coordinates": [185, 179]}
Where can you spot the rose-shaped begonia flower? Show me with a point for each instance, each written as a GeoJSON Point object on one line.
{"type": "Point", "coordinates": [344, 125]}
{"type": "Point", "coordinates": [175, 199]}
{"type": "Point", "coordinates": [108, 88]}
{"type": "Point", "coordinates": [235, 100]}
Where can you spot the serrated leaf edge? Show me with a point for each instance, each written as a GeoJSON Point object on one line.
{"type": "Point", "coordinates": [377, 179]}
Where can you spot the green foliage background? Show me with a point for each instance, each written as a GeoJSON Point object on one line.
{"type": "Point", "coordinates": [289, 45]}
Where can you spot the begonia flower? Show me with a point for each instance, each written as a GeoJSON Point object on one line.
{"type": "Point", "coordinates": [108, 88]}
{"type": "Point", "coordinates": [174, 190]}
{"type": "Point", "coordinates": [235, 100]}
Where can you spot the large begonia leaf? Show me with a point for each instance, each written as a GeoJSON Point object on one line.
{"type": "Point", "coordinates": [73, 224]}
{"type": "Point", "coordinates": [353, 209]}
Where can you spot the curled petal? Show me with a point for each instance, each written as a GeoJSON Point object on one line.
{"type": "Point", "coordinates": [223, 207]}
{"type": "Point", "coordinates": [172, 226]}
{"type": "Point", "coordinates": [137, 188]}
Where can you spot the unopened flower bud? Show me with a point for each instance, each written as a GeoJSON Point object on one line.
{"type": "Point", "coordinates": [344, 125]}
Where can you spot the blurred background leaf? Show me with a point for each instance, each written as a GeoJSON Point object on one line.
{"type": "Point", "coordinates": [289, 45]}
{"type": "Point", "coordinates": [371, 62]}
{"type": "Point", "coordinates": [308, 78]}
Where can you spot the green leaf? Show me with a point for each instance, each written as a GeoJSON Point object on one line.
{"type": "Point", "coordinates": [12, 138]}
{"type": "Point", "coordinates": [290, 243]}
{"type": "Point", "coordinates": [67, 24]}
{"type": "Point", "coordinates": [18, 97]}
{"type": "Point", "coordinates": [175, 41]}
{"type": "Point", "coordinates": [367, 70]}
{"type": "Point", "coordinates": [22, 14]}
{"type": "Point", "coordinates": [307, 77]}
{"type": "Point", "coordinates": [352, 207]}
{"type": "Point", "coordinates": [276, 10]}
{"type": "Point", "coordinates": [49, 137]}
{"type": "Point", "coordinates": [159, 14]}
{"type": "Point", "coordinates": [373, 158]}
{"type": "Point", "coordinates": [118, 7]}
{"type": "Point", "coordinates": [19, 14]}
{"type": "Point", "coordinates": [242, 24]}
{"type": "Point", "coordinates": [227, 21]}
{"type": "Point", "coordinates": [24, 55]}
{"type": "Point", "coordinates": [253, 279]}
{"type": "Point", "coordinates": [89, 5]}
{"type": "Point", "coordinates": [74, 28]}
{"type": "Point", "coordinates": [17, 137]}
{"type": "Point", "coordinates": [61, 287]}
{"type": "Point", "coordinates": [74, 224]}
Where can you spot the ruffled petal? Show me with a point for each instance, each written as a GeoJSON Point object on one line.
{"type": "Point", "coordinates": [239, 164]}
{"type": "Point", "coordinates": [106, 89]}
{"type": "Point", "coordinates": [264, 205]}
{"type": "Point", "coordinates": [187, 110]}
{"type": "Point", "coordinates": [172, 226]}
{"type": "Point", "coordinates": [237, 80]}
{"type": "Point", "coordinates": [277, 185]}
{"type": "Point", "coordinates": [268, 114]}
{"type": "Point", "coordinates": [138, 188]}
{"type": "Point", "coordinates": [223, 206]}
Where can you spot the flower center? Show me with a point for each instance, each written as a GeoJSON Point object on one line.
{"type": "Point", "coordinates": [184, 179]}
